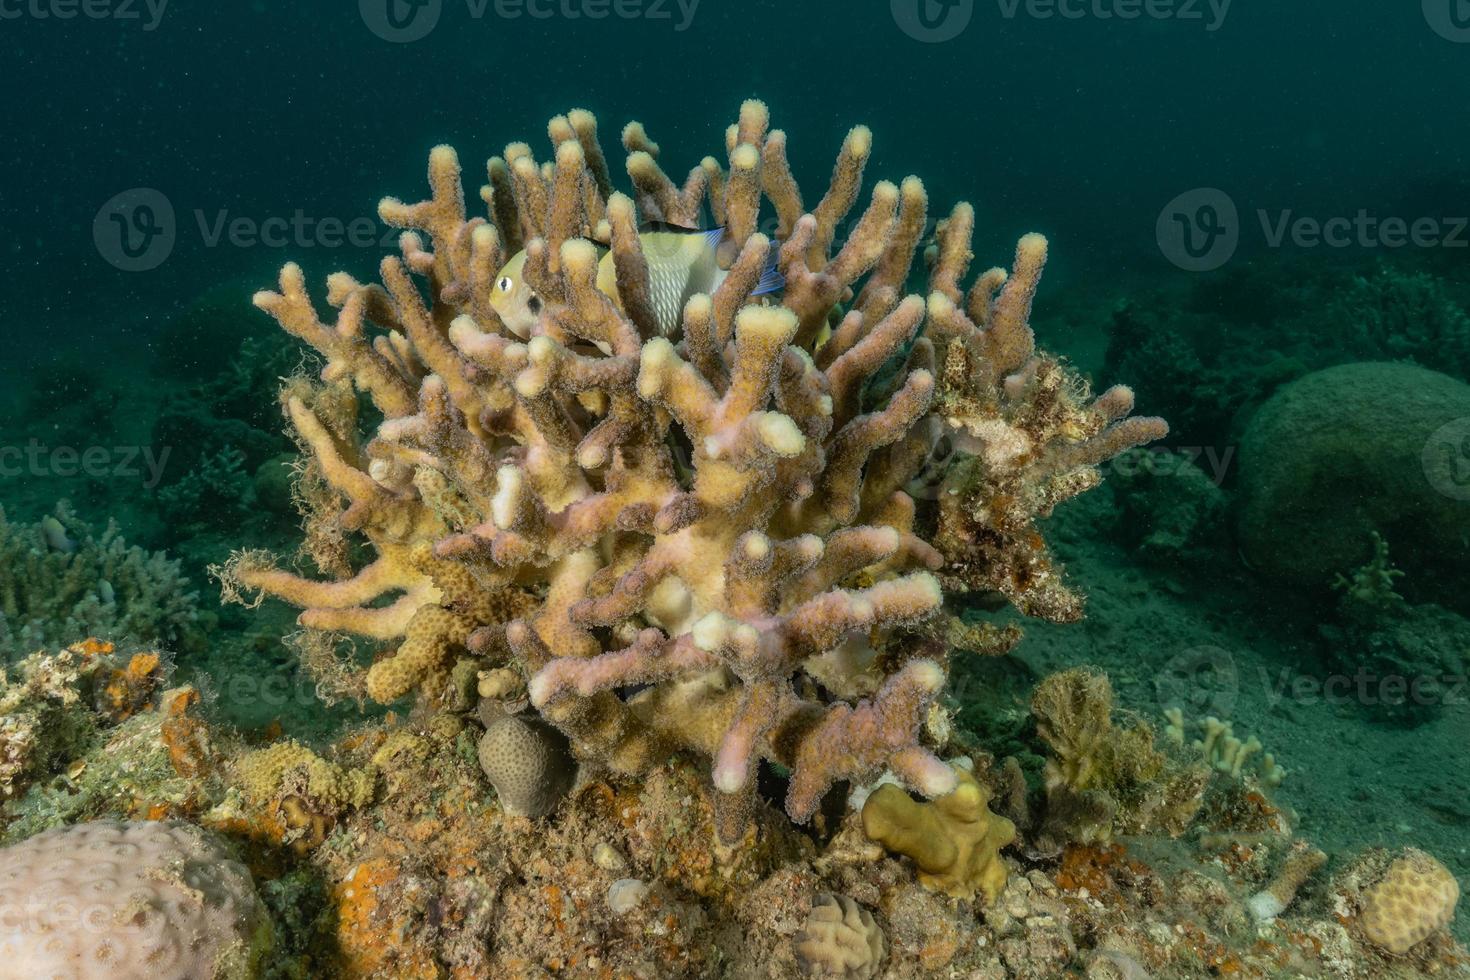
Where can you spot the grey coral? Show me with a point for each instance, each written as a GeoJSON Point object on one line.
{"type": "Point", "coordinates": [528, 762]}
{"type": "Point", "coordinates": [59, 582]}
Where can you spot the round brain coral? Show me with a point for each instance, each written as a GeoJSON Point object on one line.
{"type": "Point", "coordinates": [529, 762]}
{"type": "Point", "coordinates": [1415, 899]}
{"type": "Point", "coordinates": [112, 899]}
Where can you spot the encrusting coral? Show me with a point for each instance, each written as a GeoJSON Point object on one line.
{"type": "Point", "coordinates": [1415, 899]}
{"type": "Point", "coordinates": [955, 841]}
{"type": "Point", "coordinates": [715, 519]}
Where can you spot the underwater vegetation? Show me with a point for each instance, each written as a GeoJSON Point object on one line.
{"type": "Point", "coordinates": [665, 610]}
{"type": "Point", "coordinates": [60, 580]}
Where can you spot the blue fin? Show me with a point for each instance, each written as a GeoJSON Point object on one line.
{"type": "Point", "coordinates": [771, 279]}
{"type": "Point", "coordinates": [712, 237]}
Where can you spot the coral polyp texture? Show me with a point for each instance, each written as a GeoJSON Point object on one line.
{"type": "Point", "coordinates": [690, 533]}
{"type": "Point", "coordinates": [1415, 899]}
{"type": "Point", "coordinates": [119, 899]}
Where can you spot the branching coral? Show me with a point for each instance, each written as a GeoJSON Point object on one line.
{"type": "Point", "coordinates": [695, 539]}
{"type": "Point", "coordinates": [59, 581]}
{"type": "Point", "coordinates": [1028, 434]}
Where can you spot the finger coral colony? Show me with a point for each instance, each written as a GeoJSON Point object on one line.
{"type": "Point", "coordinates": [650, 580]}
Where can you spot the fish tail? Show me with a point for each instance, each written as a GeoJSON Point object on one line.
{"type": "Point", "coordinates": [771, 280]}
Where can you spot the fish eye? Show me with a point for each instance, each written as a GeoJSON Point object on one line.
{"type": "Point", "coordinates": [504, 285]}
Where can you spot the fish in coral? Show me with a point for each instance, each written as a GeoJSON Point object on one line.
{"type": "Point", "coordinates": [681, 264]}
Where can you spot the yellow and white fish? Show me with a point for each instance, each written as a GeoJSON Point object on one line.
{"type": "Point", "coordinates": [681, 264]}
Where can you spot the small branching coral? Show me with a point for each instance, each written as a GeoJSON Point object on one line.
{"type": "Point", "coordinates": [59, 580]}
{"type": "Point", "coordinates": [692, 539]}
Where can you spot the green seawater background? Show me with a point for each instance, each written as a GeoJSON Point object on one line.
{"type": "Point", "coordinates": [1072, 119]}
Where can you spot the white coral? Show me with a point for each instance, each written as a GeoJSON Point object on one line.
{"type": "Point", "coordinates": [113, 899]}
{"type": "Point", "coordinates": [840, 939]}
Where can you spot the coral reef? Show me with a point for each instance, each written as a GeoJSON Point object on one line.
{"type": "Point", "coordinates": [954, 841]}
{"type": "Point", "coordinates": [647, 578]}
{"type": "Point", "coordinates": [1415, 899]}
{"type": "Point", "coordinates": [715, 520]}
{"type": "Point", "coordinates": [59, 580]}
{"type": "Point", "coordinates": [1341, 454]}
{"type": "Point", "coordinates": [113, 899]}
{"type": "Point", "coordinates": [840, 939]}
{"type": "Point", "coordinates": [430, 877]}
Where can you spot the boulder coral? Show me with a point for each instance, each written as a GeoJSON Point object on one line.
{"type": "Point", "coordinates": [1348, 453]}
